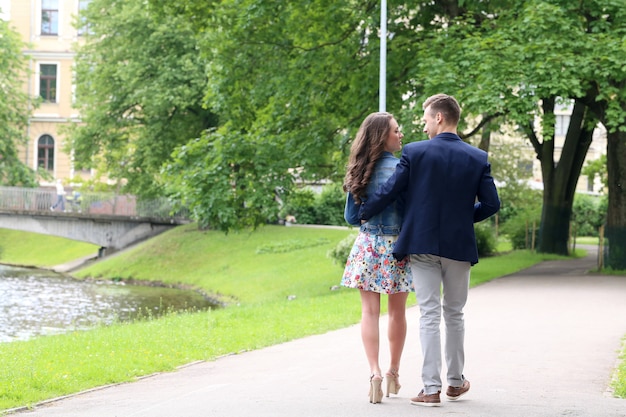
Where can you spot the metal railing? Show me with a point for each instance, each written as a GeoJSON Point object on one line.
{"type": "Point", "coordinates": [42, 199]}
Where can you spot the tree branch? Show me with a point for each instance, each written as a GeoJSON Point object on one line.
{"type": "Point", "coordinates": [480, 125]}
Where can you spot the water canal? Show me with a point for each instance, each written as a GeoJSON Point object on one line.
{"type": "Point", "coordinates": [36, 302]}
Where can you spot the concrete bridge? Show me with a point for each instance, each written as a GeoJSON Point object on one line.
{"type": "Point", "coordinates": [110, 221]}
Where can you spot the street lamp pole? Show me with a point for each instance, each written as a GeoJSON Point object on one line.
{"type": "Point", "coordinates": [382, 89]}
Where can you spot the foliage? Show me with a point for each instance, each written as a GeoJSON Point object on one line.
{"type": "Point", "coordinates": [519, 201]}
{"type": "Point", "coordinates": [299, 206]}
{"type": "Point", "coordinates": [308, 207]}
{"type": "Point", "coordinates": [509, 168]}
{"type": "Point", "coordinates": [228, 179]}
{"type": "Point", "coordinates": [339, 254]}
{"type": "Point", "coordinates": [291, 245]}
{"type": "Point", "coordinates": [589, 213]}
{"type": "Point", "coordinates": [515, 66]}
{"type": "Point", "coordinates": [521, 207]}
{"type": "Point", "coordinates": [523, 227]}
{"type": "Point", "coordinates": [136, 107]}
{"type": "Point", "coordinates": [486, 241]}
{"type": "Point", "coordinates": [302, 104]}
{"type": "Point", "coordinates": [597, 168]}
{"type": "Point", "coordinates": [15, 108]}
{"type": "Point", "coordinates": [619, 382]}
{"type": "Point", "coordinates": [302, 98]}
{"type": "Point", "coordinates": [330, 205]}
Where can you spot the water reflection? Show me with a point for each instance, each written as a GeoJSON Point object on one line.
{"type": "Point", "coordinates": [37, 302]}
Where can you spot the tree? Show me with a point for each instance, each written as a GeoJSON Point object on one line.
{"type": "Point", "coordinates": [511, 62]}
{"type": "Point", "coordinates": [15, 108]}
{"type": "Point", "coordinates": [606, 97]}
{"type": "Point", "coordinates": [290, 81]}
{"type": "Point", "coordinates": [140, 84]}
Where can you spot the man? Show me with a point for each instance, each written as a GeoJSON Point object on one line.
{"type": "Point", "coordinates": [449, 187]}
{"type": "Point", "coordinates": [60, 196]}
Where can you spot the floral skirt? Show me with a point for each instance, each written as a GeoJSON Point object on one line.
{"type": "Point", "coordinates": [372, 267]}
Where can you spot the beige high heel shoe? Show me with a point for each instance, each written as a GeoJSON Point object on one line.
{"type": "Point", "coordinates": [376, 391]}
{"type": "Point", "coordinates": [393, 383]}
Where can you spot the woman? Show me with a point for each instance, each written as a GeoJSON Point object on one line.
{"type": "Point", "coordinates": [371, 266]}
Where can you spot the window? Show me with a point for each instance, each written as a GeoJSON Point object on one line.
{"type": "Point", "coordinates": [45, 153]}
{"type": "Point", "coordinates": [561, 125]}
{"type": "Point", "coordinates": [49, 17]}
{"type": "Point", "coordinates": [83, 26]}
{"type": "Point", "coordinates": [48, 82]}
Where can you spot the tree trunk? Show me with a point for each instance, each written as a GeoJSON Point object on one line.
{"type": "Point", "coordinates": [485, 137]}
{"type": "Point", "coordinates": [560, 179]}
{"type": "Point", "coordinates": [616, 214]}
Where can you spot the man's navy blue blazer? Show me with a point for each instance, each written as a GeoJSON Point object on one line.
{"type": "Point", "coordinates": [448, 187]}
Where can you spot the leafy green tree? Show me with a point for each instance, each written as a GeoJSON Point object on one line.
{"type": "Point", "coordinates": [606, 97]}
{"type": "Point", "coordinates": [228, 181]}
{"type": "Point", "coordinates": [15, 108]}
{"type": "Point", "coordinates": [510, 62]}
{"type": "Point", "coordinates": [140, 84]}
{"type": "Point", "coordinates": [291, 81]}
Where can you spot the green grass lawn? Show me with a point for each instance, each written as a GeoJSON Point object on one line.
{"type": "Point", "coordinates": [256, 273]}
{"type": "Point", "coordinates": [34, 249]}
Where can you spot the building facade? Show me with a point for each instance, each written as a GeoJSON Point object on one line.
{"type": "Point", "coordinates": [50, 29]}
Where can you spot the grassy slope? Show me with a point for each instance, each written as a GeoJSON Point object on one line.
{"type": "Point", "coordinates": [34, 249]}
{"type": "Point", "coordinates": [266, 265]}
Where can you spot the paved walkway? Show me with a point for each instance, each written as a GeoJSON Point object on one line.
{"type": "Point", "coordinates": [543, 342]}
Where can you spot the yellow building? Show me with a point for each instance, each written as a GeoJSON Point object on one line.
{"type": "Point", "coordinates": [48, 27]}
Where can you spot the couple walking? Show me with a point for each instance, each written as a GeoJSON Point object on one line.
{"type": "Point", "coordinates": [416, 217]}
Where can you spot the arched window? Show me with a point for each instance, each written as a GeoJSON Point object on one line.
{"type": "Point", "coordinates": [45, 152]}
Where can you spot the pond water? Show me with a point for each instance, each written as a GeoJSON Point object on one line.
{"type": "Point", "coordinates": [36, 302]}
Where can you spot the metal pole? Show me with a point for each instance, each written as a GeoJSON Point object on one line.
{"type": "Point", "coordinates": [383, 57]}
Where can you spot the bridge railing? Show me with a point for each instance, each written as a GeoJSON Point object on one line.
{"type": "Point", "coordinates": [41, 199]}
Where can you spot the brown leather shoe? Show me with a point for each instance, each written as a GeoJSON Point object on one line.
{"type": "Point", "coordinates": [454, 393]}
{"type": "Point", "coordinates": [427, 400]}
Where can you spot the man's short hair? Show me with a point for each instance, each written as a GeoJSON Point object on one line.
{"type": "Point", "coordinates": [446, 105]}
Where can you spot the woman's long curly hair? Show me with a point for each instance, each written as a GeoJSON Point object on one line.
{"type": "Point", "coordinates": [366, 149]}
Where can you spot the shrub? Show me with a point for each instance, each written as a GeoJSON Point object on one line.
{"type": "Point", "coordinates": [523, 211]}
{"type": "Point", "coordinates": [520, 230]}
{"type": "Point", "coordinates": [588, 214]}
{"type": "Point", "coordinates": [485, 238]}
{"type": "Point", "coordinates": [310, 208]}
{"type": "Point", "coordinates": [329, 205]}
{"type": "Point", "coordinates": [340, 253]}
{"type": "Point", "coordinates": [301, 205]}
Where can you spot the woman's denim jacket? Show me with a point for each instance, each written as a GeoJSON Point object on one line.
{"type": "Point", "coordinates": [388, 221]}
